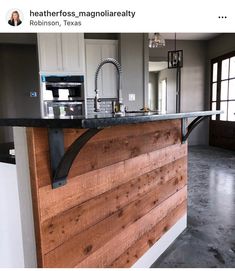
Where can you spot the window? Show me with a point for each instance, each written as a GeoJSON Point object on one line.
{"type": "Point", "coordinates": [223, 87]}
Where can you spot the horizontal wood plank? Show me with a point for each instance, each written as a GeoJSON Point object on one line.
{"type": "Point", "coordinates": [89, 185]}
{"type": "Point", "coordinates": [126, 180]}
{"type": "Point", "coordinates": [129, 257]}
{"type": "Point", "coordinates": [126, 238]}
{"type": "Point", "coordinates": [98, 152]}
{"type": "Point", "coordinates": [82, 245]}
{"type": "Point", "coordinates": [62, 227]}
{"type": "Point", "coordinates": [41, 134]}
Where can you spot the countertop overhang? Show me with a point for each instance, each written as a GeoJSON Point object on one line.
{"type": "Point", "coordinates": [99, 121]}
{"type": "Point", "coordinates": [62, 160]}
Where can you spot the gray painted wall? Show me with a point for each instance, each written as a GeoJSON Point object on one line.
{"type": "Point", "coordinates": [192, 80]}
{"type": "Point", "coordinates": [134, 62]}
{"type": "Point", "coordinates": [220, 45]}
{"type": "Point", "coordinates": [193, 86]}
{"type": "Point", "coordinates": [19, 76]}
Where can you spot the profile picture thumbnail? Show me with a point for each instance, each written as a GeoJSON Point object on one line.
{"type": "Point", "coordinates": [15, 18]}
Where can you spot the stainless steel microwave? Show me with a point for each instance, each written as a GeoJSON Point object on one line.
{"type": "Point", "coordinates": [62, 95]}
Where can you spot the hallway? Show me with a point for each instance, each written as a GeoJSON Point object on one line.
{"type": "Point", "coordinates": [209, 240]}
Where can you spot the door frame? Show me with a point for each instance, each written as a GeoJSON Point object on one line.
{"type": "Point", "coordinates": [222, 133]}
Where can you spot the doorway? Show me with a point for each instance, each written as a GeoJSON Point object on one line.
{"type": "Point", "coordinates": [162, 87]}
{"type": "Point", "coordinates": [222, 127]}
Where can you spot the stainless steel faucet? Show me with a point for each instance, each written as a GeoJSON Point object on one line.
{"type": "Point", "coordinates": [119, 105]}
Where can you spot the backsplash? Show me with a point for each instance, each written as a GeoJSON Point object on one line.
{"type": "Point", "coordinates": [105, 106]}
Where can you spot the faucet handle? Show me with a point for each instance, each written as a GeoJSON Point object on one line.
{"type": "Point", "coordinates": [114, 106]}
{"type": "Point", "coordinates": [97, 102]}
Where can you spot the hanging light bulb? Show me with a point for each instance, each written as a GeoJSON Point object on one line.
{"type": "Point", "coordinates": [157, 41]}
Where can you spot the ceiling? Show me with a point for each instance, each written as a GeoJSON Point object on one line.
{"type": "Point", "coordinates": [188, 36]}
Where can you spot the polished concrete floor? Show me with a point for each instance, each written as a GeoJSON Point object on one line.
{"type": "Point", "coordinates": [209, 240]}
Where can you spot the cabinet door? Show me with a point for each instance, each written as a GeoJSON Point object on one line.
{"type": "Point", "coordinates": [73, 52]}
{"type": "Point", "coordinates": [109, 72]}
{"type": "Point", "coordinates": [96, 51]}
{"type": "Point", "coordinates": [93, 58]}
{"type": "Point", "coordinates": [49, 49]}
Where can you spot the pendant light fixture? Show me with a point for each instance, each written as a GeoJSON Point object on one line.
{"type": "Point", "coordinates": [175, 58]}
{"type": "Point", "coordinates": [157, 41]}
{"type": "Point", "coordinates": [175, 61]}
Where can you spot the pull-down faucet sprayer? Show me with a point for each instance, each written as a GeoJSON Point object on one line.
{"type": "Point", "coordinates": [119, 104]}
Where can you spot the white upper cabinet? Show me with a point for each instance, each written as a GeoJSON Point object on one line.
{"type": "Point", "coordinates": [109, 71]}
{"type": "Point", "coordinates": [49, 49]}
{"type": "Point", "coordinates": [93, 58]}
{"type": "Point", "coordinates": [96, 51]}
{"type": "Point", "coordinates": [73, 52]}
{"type": "Point", "coordinates": [61, 53]}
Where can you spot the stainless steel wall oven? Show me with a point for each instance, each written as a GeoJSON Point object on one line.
{"type": "Point", "coordinates": [62, 96]}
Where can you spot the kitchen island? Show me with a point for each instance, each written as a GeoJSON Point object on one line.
{"type": "Point", "coordinates": [107, 191]}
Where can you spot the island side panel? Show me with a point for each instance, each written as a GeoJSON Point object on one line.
{"type": "Point", "coordinates": [126, 189]}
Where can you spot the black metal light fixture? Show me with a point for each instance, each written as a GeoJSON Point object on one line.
{"type": "Point", "coordinates": [175, 61]}
{"type": "Point", "coordinates": [175, 58]}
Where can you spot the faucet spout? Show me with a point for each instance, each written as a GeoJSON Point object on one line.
{"type": "Point", "coordinates": [119, 71]}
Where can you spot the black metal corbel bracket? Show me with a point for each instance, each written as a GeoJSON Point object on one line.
{"type": "Point", "coordinates": [62, 161]}
{"type": "Point", "coordinates": [186, 130]}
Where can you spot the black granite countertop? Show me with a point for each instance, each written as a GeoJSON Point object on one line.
{"type": "Point", "coordinates": [100, 120]}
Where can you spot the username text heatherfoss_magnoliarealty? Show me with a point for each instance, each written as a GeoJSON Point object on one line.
{"type": "Point", "coordinates": [74, 18]}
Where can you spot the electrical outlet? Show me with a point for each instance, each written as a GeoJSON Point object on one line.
{"type": "Point", "coordinates": [131, 97]}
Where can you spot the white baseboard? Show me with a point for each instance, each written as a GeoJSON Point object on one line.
{"type": "Point", "coordinates": [161, 245]}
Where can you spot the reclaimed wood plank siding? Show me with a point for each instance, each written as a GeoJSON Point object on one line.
{"type": "Point", "coordinates": [126, 188]}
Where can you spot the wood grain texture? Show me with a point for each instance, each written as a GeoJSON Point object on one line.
{"type": "Point", "coordinates": [125, 181]}
{"type": "Point", "coordinates": [82, 245]}
{"type": "Point", "coordinates": [94, 183]}
{"type": "Point", "coordinates": [96, 209]}
{"type": "Point", "coordinates": [107, 254]}
{"type": "Point", "coordinates": [128, 141]}
{"type": "Point", "coordinates": [133, 253]}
